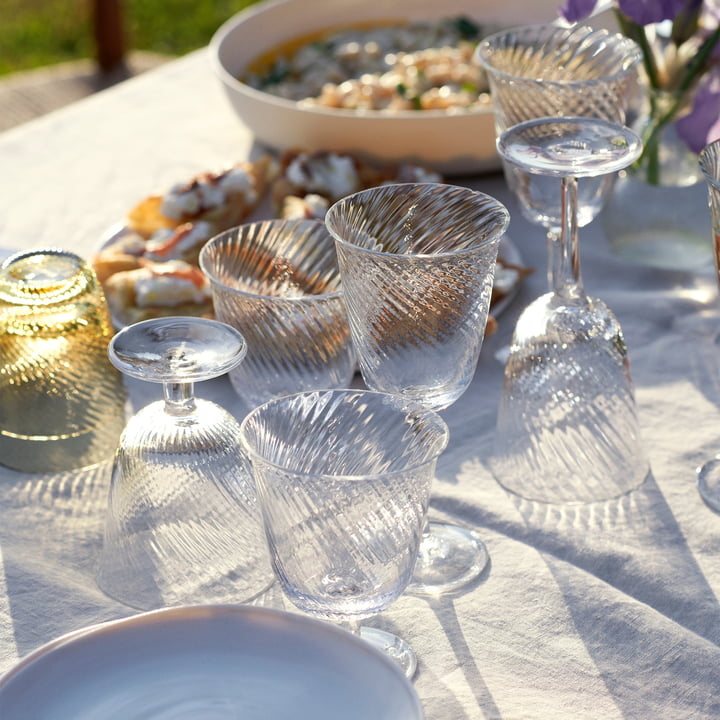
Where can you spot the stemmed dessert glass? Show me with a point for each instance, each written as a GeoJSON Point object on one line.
{"type": "Point", "coordinates": [417, 264]}
{"type": "Point", "coordinates": [344, 478]}
{"type": "Point", "coordinates": [708, 474]}
{"type": "Point", "coordinates": [567, 427]}
{"type": "Point", "coordinates": [183, 523]}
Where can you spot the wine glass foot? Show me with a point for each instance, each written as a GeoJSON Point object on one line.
{"type": "Point", "coordinates": [708, 483]}
{"type": "Point", "coordinates": [393, 646]}
{"type": "Point", "coordinates": [450, 557]}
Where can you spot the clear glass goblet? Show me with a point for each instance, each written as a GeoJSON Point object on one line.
{"type": "Point", "coordinates": [417, 265]}
{"type": "Point", "coordinates": [183, 523]}
{"type": "Point", "coordinates": [344, 478]}
{"type": "Point", "coordinates": [708, 474]}
{"type": "Point", "coordinates": [567, 427]}
{"type": "Point", "coordinates": [552, 71]}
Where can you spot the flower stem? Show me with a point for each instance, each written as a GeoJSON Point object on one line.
{"type": "Point", "coordinates": [652, 141]}
{"type": "Point", "coordinates": [698, 64]}
{"type": "Point", "coordinates": [637, 33]}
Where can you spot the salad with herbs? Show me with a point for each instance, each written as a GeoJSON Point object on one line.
{"type": "Point", "coordinates": [395, 67]}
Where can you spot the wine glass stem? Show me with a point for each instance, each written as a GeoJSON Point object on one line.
{"type": "Point", "coordinates": [563, 247]}
{"type": "Point", "coordinates": [179, 398]}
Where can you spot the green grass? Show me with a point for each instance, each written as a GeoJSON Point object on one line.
{"type": "Point", "coordinates": [34, 33]}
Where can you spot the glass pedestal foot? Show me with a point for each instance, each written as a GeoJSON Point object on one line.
{"type": "Point", "coordinates": [450, 557]}
{"type": "Point", "coordinates": [708, 483]}
{"type": "Point", "coordinates": [393, 646]}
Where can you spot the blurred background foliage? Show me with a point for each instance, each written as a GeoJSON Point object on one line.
{"type": "Point", "coordinates": [35, 33]}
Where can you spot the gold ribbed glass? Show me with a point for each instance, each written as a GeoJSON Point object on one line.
{"type": "Point", "coordinates": [61, 401]}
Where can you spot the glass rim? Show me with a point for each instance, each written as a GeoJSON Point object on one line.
{"type": "Point", "coordinates": [400, 403]}
{"type": "Point", "coordinates": [584, 31]}
{"type": "Point", "coordinates": [234, 234]}
{"type": "Point", "coordinates": [72, 276]}
{"type": "Point", "coordinates": [52, 251]}
{"type": "Point", "coordinates": [704, 160]}
{"type": "Point", "coordinates": [493, 235]}
{"type": "Point", "coordinates": [634, 144]}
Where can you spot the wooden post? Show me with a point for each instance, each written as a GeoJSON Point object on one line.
{"type": "Point", "coordinates": [109, 34]}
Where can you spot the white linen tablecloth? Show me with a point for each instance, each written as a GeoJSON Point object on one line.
{"type": "Point", "coordinates": [602, 611]}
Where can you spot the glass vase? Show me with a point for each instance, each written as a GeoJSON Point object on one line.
{"type": "Point", "coordinates": [657, 214]}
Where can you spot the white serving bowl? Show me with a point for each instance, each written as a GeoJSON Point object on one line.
{"type": "Point", "coordinates": [454, 144]}
{"type": "Point", "coordinates": [216, 661]}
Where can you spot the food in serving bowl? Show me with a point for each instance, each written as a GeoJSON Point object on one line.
{"type": "Point", "coordinates": [420, 66]}
{"type": "Point", "coordinates": [157, 289]}
{"type": "Point", "coordinates": [314, 180]}
{"type": "Point", "coordinates": [149, 267]}
{"type": "Point", "coordinates": [459, 142]}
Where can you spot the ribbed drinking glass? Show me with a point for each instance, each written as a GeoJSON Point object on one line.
{"type": "Point", "coordinates": [708, 475]}
{"type": "Point", "coordinates": [417, 263]}
{"type": "Point", "coordinates": [552, 71]}
{"type": "Point", "coordinates": [567, 427]}
{"type": "Point", "coordinates": [344, 478]}
{"type": "Point", "coordinates": [62, 404]}
{"type": "Point", "coordinates": [278, 283]}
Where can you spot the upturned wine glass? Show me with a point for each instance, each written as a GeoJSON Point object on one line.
{"type": "Point", "coordinates": [567, 427]}
{"type": "Point", "coordinates": [552, 71]}
{"type": "Point", "coordinates": [417, 265]}
{"type": "Point", "coordinates": [708, 474]}
{"type": "Point", "coordinates": [343, 478]}
{"type": "Point", "coordinates": [183, 524]}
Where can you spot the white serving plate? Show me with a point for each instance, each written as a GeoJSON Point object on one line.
{"type": "Point", "coordinates": [214, 662]}
{"type": "Point", "coordinates": [456, 144]}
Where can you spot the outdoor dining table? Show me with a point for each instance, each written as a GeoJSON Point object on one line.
{"type": "Point", "coordinates": [608, 610]}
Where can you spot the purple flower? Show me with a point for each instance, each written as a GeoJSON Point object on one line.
{"type": "Point", "coordinates": [702, 124]}
{"type": "Point", "coordinates": [643, 12]}
{"type": "Point", "coordinates": [647, 12]}
{"type": "Point", "coordinates": [574, 10]}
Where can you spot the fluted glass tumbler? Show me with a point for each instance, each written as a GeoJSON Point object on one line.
{"type": "Point", "coordinates": [62, 404]}
{"type": "Point", "coordinates": [417, 263]}
{"type": "Point", "coordinates": [183, 523]}
{"type": "Point", "coordinates": [278, 283]}
{"type": "Point", "coordinates": [708, 475]}
{"type": "Point", "coordinates": [344, 478]}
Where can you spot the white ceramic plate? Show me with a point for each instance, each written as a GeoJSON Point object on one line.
{"type": "Point", "coordinates": [455, 144]}
{"type": "Point", "coordinates": [212, 662]}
